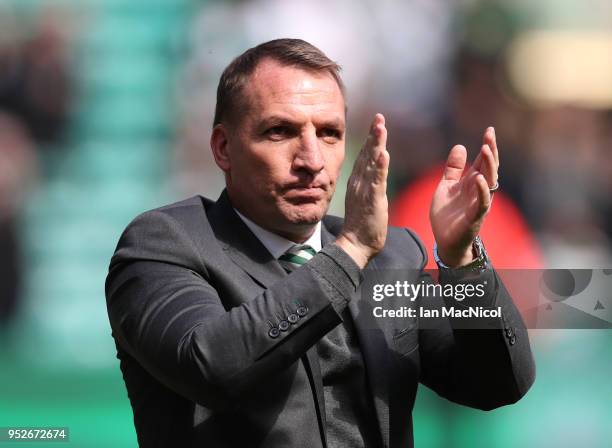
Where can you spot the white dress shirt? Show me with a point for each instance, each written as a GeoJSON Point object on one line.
{"type": "Point", "coordinates": [278, 245]}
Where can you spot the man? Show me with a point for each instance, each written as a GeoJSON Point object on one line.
{"type": "Point", "coordinates": [237, 322]}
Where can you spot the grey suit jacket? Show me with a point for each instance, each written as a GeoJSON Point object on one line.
{"type": "Point", "coordinates": [195, 300]}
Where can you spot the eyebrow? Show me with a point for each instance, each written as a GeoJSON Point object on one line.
{"type": "Point", "coordinates": [281, 120]}
{"type": "Point", "coordinates": [334, 123]}
{"type": "Point", "coordinates": [276, 119]}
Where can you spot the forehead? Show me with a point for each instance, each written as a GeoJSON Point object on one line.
{"type": "Point", "coordinates": [273, 88]}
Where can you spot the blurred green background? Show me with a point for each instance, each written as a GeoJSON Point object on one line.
{"type": "Point", "coordinates": [105, 107]}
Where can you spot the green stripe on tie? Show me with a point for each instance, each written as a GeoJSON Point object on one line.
{"type": "Point", "coordinates": [296, 257]}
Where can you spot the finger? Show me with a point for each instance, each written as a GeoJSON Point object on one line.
{"type": "Point", "coordinates": [475, 167]}
{"type": "Point", "coordinates": [469, 183]}
{"type": "Point", "coordinates": [372, 164]}
{"type": "Point", "coordinates": [380, 154]}
{"type": "Point", "coordinates": [455, 163]}
{"type": "Point", "coordinates": [490, 139]}
{"type": "Point", "coordinates": [377, 138]}
{"type": "Point", "coordinates": [484, 196]}
{"type": "Point", "coordinates": [378, 131]}
{"type": "Point", "coordinates": [489, 166]}
{"type": "Point", "coordinates": [382, 165]}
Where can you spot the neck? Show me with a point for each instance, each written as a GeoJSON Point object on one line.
{"type": "Point", "coordinates": [298, 233]}
{"type": "Point", "coordinates": [296, 237]}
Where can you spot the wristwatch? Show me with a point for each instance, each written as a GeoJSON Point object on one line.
{"type": "Point", "coordinates": [479, 264]}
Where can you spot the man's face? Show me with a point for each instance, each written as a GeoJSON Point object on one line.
{"type": "Point", "coordinates": [285, 148]}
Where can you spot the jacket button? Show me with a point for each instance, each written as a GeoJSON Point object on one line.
{"type": "Point", "coordinates": [513, 340]}
{"type": "Point", "coordinates": [283, 325]}
{"type": "Point", "coordinates": [293, 318]}
{"type": "Point", "coordinates": [301, 311]}
{"type": "Point", "coordinates": [509, 332]}
{"type": "Point", "coordinates": [274, 332]}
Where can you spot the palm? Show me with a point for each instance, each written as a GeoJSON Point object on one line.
{"type": "Point", "coordinates": [455, 212]}
{"type": "Point", "coordinates": [462, 199]}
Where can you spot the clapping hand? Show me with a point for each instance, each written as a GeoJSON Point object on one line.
{"type": "Point", "coordinates": [461, 201]}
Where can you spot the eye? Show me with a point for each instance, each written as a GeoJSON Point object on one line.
{"type": "Point", "coordinates": [278, 132]}
{"type": "Point", "coordinates": [330, 134]}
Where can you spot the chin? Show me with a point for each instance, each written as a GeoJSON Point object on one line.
{"type": "Point", "coordinates": [306, 214]}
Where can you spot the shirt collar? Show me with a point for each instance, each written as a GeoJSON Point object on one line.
{"type": "Point", "coordinates": [276, 244]}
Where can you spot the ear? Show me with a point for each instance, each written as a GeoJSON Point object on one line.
{"type": "Point", "coordinates": [219, 146]}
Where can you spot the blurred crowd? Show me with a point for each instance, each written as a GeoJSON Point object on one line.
{"type": "Point", "coordinates": [35, 91]}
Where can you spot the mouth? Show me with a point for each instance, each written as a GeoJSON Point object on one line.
{"type": "Point", "coordinates": [304, 194]}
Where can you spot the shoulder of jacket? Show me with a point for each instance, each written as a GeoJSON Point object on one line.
{"type": "Point", "coordinates": [404, 243]}
{"type": "Point", "coordinates": [401, 241]}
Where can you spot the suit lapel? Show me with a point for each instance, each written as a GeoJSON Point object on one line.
{"type": "Point", "coordinates": [241, 246]}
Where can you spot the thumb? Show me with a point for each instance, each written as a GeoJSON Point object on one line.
{"type": "Point", "coordinates": [455, 163]}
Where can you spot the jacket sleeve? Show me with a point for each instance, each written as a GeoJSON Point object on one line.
{"type": "Point", "coordinates": [165, 312]}
{"type": "Point", "coordinates": [484, 368]}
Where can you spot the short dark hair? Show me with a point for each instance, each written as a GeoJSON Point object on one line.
{"type": "Point", "coordinates": [289, 52]}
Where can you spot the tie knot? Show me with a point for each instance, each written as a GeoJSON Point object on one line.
{"type": "Point", "coordinates": [296, 256]}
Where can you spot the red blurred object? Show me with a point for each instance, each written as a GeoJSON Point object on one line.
{"type": "Point", "coordinates": [507, 238]}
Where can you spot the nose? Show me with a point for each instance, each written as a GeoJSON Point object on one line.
{"type": "Point", "coordinates": [308, 156]}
